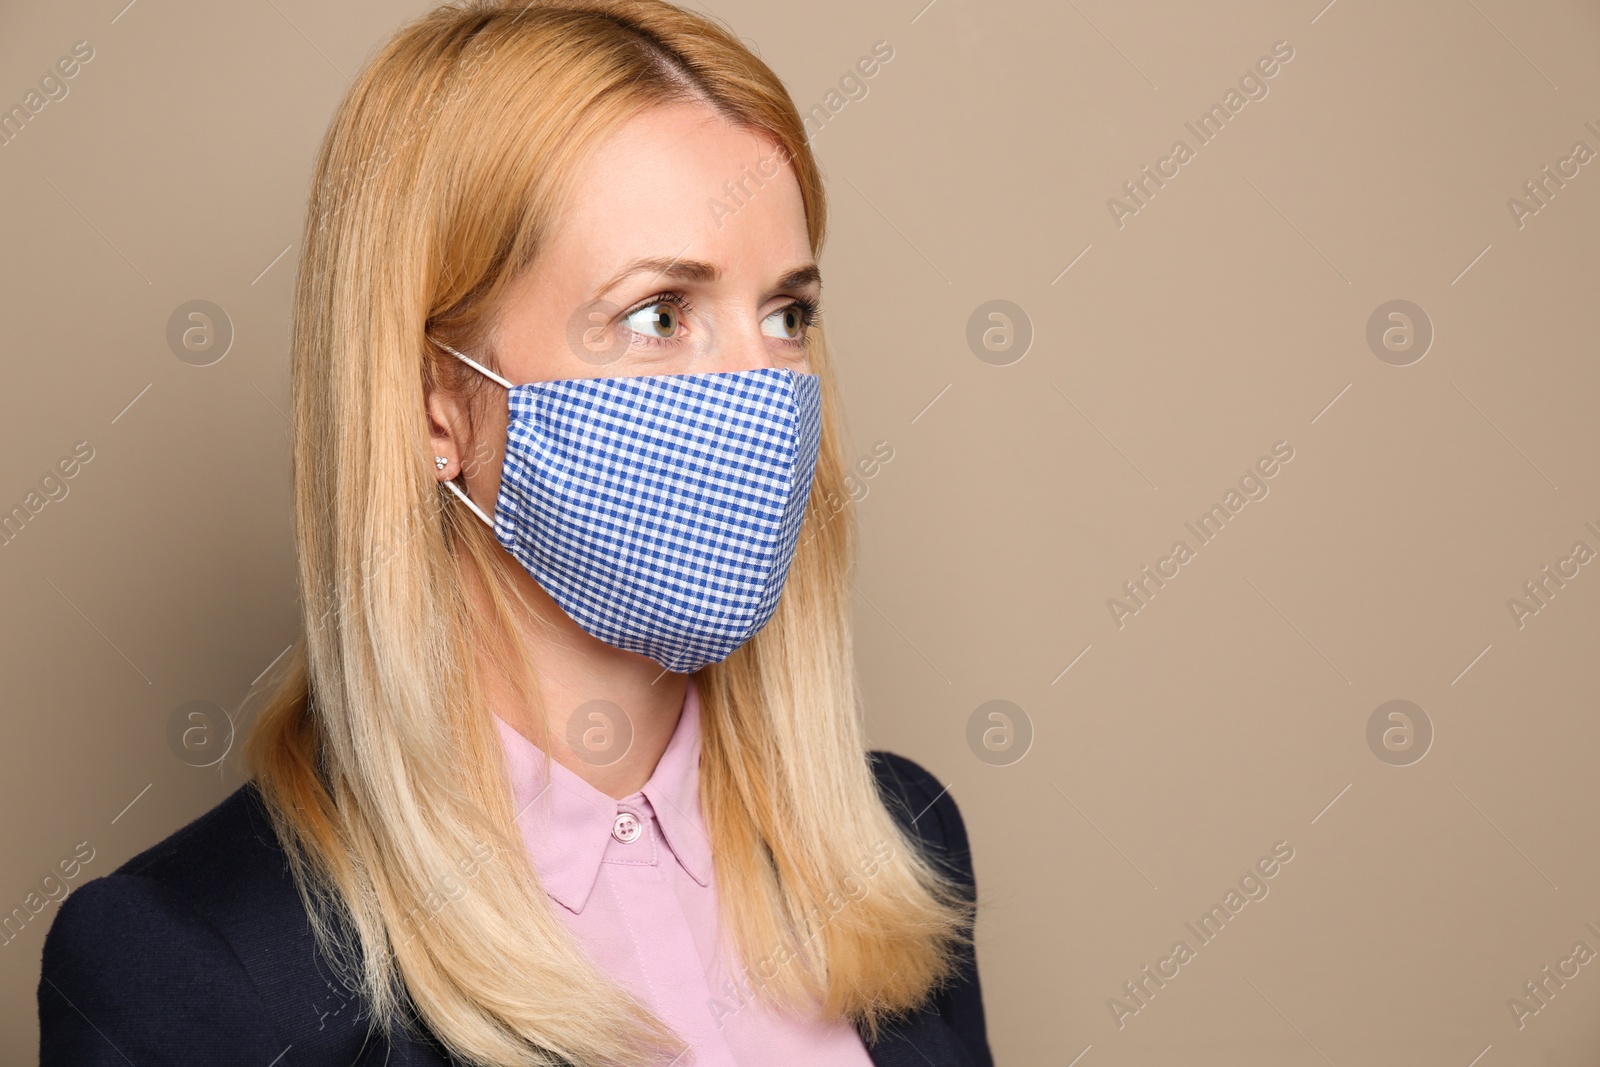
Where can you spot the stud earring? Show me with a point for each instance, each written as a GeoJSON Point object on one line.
{"type": "Point", "coordinates": [440, 462]}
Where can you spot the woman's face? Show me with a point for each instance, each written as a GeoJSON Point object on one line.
{"type": "Point", "coordinates": [683, 250]}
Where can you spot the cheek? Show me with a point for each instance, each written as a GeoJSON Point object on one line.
{"type": "Point", "coordinates": [483, 456]}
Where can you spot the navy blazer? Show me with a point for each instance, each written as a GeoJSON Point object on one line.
{"type": "Point", "coordinates": [199, 951]}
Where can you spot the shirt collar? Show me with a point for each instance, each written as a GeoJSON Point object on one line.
{"type": "Point", "coordinates": [567, 826]}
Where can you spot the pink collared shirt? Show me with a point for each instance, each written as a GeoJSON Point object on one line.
{"type": "Point", "coordinates": [635, 882]}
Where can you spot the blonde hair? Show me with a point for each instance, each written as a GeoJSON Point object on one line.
{"type": "Point", "coordinates": [440, 175]}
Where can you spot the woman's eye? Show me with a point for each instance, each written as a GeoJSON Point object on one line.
{"type": "Point", "coordinates": [788, 323]}
{"type": "Point", "coordinates": [658, 320]}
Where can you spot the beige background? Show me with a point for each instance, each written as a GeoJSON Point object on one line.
{"type": "Point", "coordinates": [1227, 315]}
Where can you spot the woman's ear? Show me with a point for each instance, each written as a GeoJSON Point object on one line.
{"type": "Point", "coordinates": [448, 427]}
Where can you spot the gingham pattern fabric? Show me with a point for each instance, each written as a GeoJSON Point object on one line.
{"type": "Point", "coordinates": [661, 512]}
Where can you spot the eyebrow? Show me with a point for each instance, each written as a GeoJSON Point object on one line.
{"type": "Point", "coordinates": [697, 270]}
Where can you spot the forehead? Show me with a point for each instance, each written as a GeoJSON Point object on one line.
{"type": "Point", "coordinates": [679, 179]}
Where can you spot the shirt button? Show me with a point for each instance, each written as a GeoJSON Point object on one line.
{"type": "Point", "coordinates": [627, 828]}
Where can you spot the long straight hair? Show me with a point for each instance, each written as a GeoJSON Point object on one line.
{"type": "Point", "coordinates": [442, 172]}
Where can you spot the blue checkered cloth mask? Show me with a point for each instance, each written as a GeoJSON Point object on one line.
{"type": "Point", "coordinates": [661, 512]}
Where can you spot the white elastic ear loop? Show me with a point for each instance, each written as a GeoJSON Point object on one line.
{"type": "Point", "coordinates": [480, 368]}
{"type": "Point", "coordinates": [474, 364]}
{"type": "Point", "coordinates": [467, 500]}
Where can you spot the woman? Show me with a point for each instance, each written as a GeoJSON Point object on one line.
{"type": "Point", "coordinates": [568, 767]}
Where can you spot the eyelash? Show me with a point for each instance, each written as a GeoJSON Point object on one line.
{"type": "Point", "coordinates": [810, 313]}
